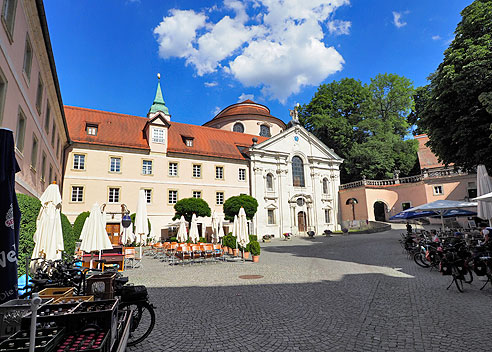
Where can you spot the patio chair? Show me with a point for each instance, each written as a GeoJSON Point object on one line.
{"type": "Point", "coordinates": [170, 252]}
{"type": "Point", "coordinates": [208, 252]}
{"type": "Point", "coordinates": [184, 253]}
{"type": "Point", "coordinates": [129, 257]}
{"type": "Point", "coordinates": [218, 252]}
{"type": "Point", "coordinates": [197, 253]}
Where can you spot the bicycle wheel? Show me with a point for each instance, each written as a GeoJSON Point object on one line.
{"type": "Point", "coordinates": [143, 320]}
{"type": "Point", "coordinates": [420, 259]}
{"type": "Point", "coordinates": [457, 277]}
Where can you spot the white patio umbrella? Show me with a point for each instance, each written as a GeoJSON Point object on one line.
{"type": "Point", "coordinates": [94, 236]}
{"type": "Point", "coordinates": [220, 225]}
{"type": "Point", "coordinates": [182, 236]}
{"type": "Point", "coordinates": [48, 237]}
{"type": "Point", "coordinates": [127, 236]}
{"type": "Point", "coordinates": [141, 222]}
{"type": "Point", "coordinates": [194, 235]}
{"type": "Point", "coordinates": [242, 229]}
{"type": "Point", "coordinates": [234, 226]}
{"type": "Point", "coordinates": [440, 206]}
{"type": "Point", "coordinates": [215, 232]}
{"type": "Point", "coordinates": [484, 186]}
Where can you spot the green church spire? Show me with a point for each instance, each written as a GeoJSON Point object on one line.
{"type": "Point", "coordinates": [159, 104]}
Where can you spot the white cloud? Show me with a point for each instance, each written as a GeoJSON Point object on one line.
{"type": "Point", "coordinates": [338, 27]}
{"type": "Point", "coordinates": [211, 84]}
{"type": "Point", "coordinates": [216, 110]}
{"type": "Point", "coordinates": [436, 37]}
{"type": "Point", "coordinates": [397, 19]}
{"type": "Point", "coordinates": [277, 45]}
{"type": "Point", "coordinates": [244, 97]}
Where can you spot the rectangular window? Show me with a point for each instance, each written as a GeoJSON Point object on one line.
{"type": "Point", "coordinates": [50, 178]}
{"type": "Point", "coordinates": [39, 94]}
{"type": "Point", "coordinates": [79, 162]}
{"type": "Point", "coordinates": [115, 165]}
{"type": "Point", "coordinates": [27, 58]}
{"type": "Point", "coordinates": [3, 93]}
{"type": "Point", "coordinates": [53, 133]}
{"type": "Point", "coordinates": [158, 135]}
{"type": "Point", "coordinates": [406, 205]}
{"type": "Point", "coordinates": [197, 170]}
{"type": "Point", "coordinates": [91, 129]}
{"type": "Point", "coordinates": [197, 194]}
{"type": "Point", "coordinates": [47, 119]}
{"type": "Point", "coordinates": [219, 198]}
{"type": "Point", "coordinates": [271, 217]}
{"type": "Point", "coordinates": [57, 144]}
{"type": "Point", "coordinates": [173, 197]}
{"type": "Point", "coordinates": [114, 195]}
{"type": "Point", "coordinates": [219, 172]}
{"type": "Point", "coordinates": [77, 193]}
{"type": "Point", "coordinates": [8, 16]}
{"type": "Point", "coordinates": [148, 195]}
{"type": "Point", "coordinates": [147, 167]}
{"type": "Point", "coordinates": [189, 142]}
{"type": "Point", "coordinates": [242, 174]}
{"type": "Point", "coordinates": [34, 151]}
{"type": "Point", "coordinates": [21, 131]}
{"type": "Point", "coordinates": [327, 216]}
{"type": "Point", "coordinates": [173, 169]}
{"type": "Point", "coordinates": [43, 166]}
{"type": "Point", "coordinates": [438, 190]}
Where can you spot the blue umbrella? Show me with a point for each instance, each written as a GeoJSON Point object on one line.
{"type": "Point", "coordinates": [407, 215]}
{"type": "Point", "coordinates": [457, 212]}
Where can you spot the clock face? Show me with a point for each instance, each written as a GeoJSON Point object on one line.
{"type": "Point", "coordinates": [300, 202]}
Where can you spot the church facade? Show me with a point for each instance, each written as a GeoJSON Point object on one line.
{"type": "Point", "coordinates": [242, 150]}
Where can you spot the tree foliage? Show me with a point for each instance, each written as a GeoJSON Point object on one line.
{"type": "Point", "coordinates": [78, 224]}
{"type": "Point", "coordinates": [188, 206]}
{"type": "Point", "coordinates": [458, 114]}
{"type": "Point", "coordinates": [233, 204]}
{"type": "Point", "coordinates": [366, 124]}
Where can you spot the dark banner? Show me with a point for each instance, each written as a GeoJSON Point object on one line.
{"type": "Point", "coordinates": [9, 218]}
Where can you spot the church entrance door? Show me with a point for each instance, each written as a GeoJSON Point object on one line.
{"type": "Point", "coordinates": [301, 221]}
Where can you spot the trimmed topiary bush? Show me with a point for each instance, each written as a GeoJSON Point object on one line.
{"type": "Point", "coordinates": [254, 248]}
{"type": "Point", "coordinates": [78, 224]}
{"type": "Point", "coordinates": [187, 206]}
{"type": "Point", "coordinates": [202, 240]}
{"type": "Point", "coordinates": [29, 208]}
{"type": "Point", "coordinates": [233, 205]}
{"type": "Point", "coordinates": [69, 237]}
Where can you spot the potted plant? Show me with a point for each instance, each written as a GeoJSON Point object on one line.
{"type": "Point", "coordinates": [246, 251]}
{"type": "Point", "coordinates": [254, 248]}
{"type": "Point", "coordinates": [267, 238]}
{"type": "Point", "coordinates": [232, 246]}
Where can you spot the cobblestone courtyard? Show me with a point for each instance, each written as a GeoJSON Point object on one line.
{"type": "Point", "coordinates": [351, 293]}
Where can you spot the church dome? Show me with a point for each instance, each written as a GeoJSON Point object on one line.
{"type": "Point", "coordinates": [247, 117]}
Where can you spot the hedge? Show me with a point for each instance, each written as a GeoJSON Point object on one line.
{"type": "Point", "coordinates": [78, 224]}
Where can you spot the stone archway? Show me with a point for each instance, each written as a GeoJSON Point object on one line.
{"type": "Point", "coordinates": [380, 211]}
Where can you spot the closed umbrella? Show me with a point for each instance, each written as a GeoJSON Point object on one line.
{"type": "Point", "coordinates": [220, 225]}
{"type": "Point", "coordinates": [484, 186]}
{"type": "Point", "coordinates": [194, 235]}
{"type": "Point", "coordinates": [182, 236]}
{"type": "Point", "coordinates": [94, 236]}
{"type": "Point", "coordinates": [141, 221]}
{"type": "Point", "coordinates": [48, 237]}
{"type": "Point", "coordinates": [215, 232]}
{"type": "Point", "coordinates": [242, 229]}
{"type": "Point", "coordinates": [10, 216]}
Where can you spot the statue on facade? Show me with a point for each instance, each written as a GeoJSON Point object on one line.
{"type": "Point", "coordinates": [294, 114]}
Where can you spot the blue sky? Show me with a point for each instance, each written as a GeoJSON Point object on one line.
{"type": "Point", "coordinates": [212, 54]}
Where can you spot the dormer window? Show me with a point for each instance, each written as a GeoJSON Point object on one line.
{"type": "Point", "coordinates": [91, 129]}
{"type": "Point", "coordinates": [188, 141]}
{"type": "Point", "coordinates": [158, 135]}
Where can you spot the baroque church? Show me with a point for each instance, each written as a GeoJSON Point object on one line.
{"type": "Point", "coordinates": [242, 150]}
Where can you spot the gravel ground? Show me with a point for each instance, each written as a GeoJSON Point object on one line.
{"type": "Point", "coordinates": [344, 293]}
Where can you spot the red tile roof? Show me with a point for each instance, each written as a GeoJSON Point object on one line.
{"type": "Point", "coordinates": [112, 129]}
{"type": "Point", "coordinates": [127, 131]}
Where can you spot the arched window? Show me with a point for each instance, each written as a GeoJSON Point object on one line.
{"type": "Point", "coordinates": [238, 127]}
{"type": "Point", "coordinates": [325, 185]}
{"type": "Point", "coordinates": [269, 182]}
{"type": "Point", "coordinates": [264, 131]}
{"type": "Point", "coordinates": [298, 172]}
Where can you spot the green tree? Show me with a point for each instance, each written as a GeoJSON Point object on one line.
{"type": "Point", "coordinates": [458, 113]}
{"type": "Point", "coordinates": [188, 206]}
{"type": "Point", "coordinates": [233, 204]}
{"type": "Point", "coordinates": [366, 124]}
